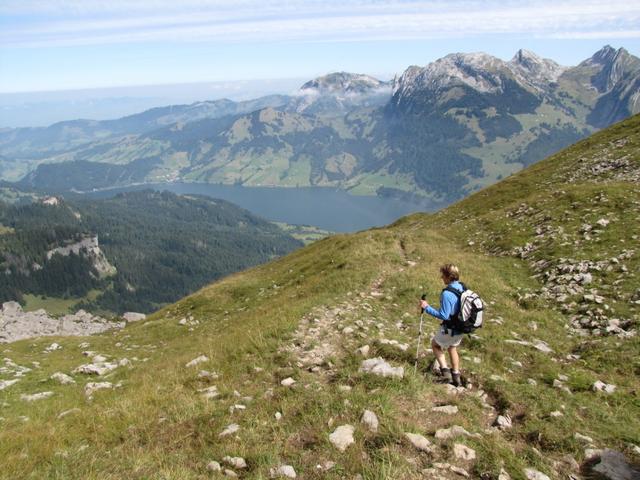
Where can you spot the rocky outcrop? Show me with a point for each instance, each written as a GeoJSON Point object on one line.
{"type": "Point", "coordinates": [90, 248]}
{"type": "Point", "coordinates": [15, 324]}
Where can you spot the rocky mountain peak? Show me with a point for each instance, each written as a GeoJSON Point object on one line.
{"type": "Point", "coordinates": [613, 65]}
{"type": "Point", "coordinates": [532, 68]}
{"type": "Point", "coordinates": [343, 83]}
{"type": "Point", "coordinates": [604, 56]}
{"type": "Point", "coordinates": [479, 71]}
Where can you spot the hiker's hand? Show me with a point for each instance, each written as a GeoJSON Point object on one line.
{"type": "Point", "coordinates": [423, 305]}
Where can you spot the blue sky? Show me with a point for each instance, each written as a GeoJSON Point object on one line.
{"type": "Point", "coordinates": [63, 45]}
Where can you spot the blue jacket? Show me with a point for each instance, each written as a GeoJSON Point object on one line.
{"type": "Point", "coordinates": [449, 303]}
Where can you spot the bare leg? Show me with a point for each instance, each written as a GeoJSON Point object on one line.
{"type": "Point", "coordinates": [455, 359]}
{"type": "Point", "coordinates": [439, 353]}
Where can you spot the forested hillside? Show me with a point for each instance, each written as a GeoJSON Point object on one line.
{"type": "Point", "coordinates": [140, 250]}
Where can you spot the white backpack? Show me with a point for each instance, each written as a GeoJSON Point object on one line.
{"type": "Point", "coordinates": [469, 316]}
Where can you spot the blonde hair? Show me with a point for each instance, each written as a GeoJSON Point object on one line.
{"type": "Point", "coordinates": [450, 271]}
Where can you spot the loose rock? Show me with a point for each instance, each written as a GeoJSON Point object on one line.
{"type": "Point", "coordinates": [532, 474]}
{"type": "Point", "coordinates": [503, 422]}
{"type": "Point", "coordinates": [235, 462]}
{"type": "Point", "coordinates": [197, 360]}
{"type": "Point", "coordinates": [288, 382]}
{"type": "Point", "coordinates": [455, 431]}
{"type": "Point", "coordinates": [599, 386]}
{"type": "Point", "coordinates": [96, 368]}
{"type": "Point", "coordinates": [133, 316]}
{"type": "Point", "coordinates": [379, 366]}
{"type": "Point", "coordinates": [35, 396]}
{"type": "Point", "coordinates": [448, 409]}
{"type": "Point", "coordinates": [283, 471]}
{"type": "Point", "coordinates": [62, 378]}
{"type": "Point", "coordinates": [614, 466]}
{"type": "Point", "coordinates": [342, 437]}
{"type": "Point", "coordinates": [463, 452]}
{"type": "Point", "coordinates": [370, 420]}
{"type": "Point", "coordinates": [230, 430]}
{"type": "Point", "coordinates": [91, 387]}
{"type": "Point", "coordinates": [419, 442]}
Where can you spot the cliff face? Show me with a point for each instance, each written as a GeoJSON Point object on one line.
{"type": "Point", "coordinates": [89, 248]}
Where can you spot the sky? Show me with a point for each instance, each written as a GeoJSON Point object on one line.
{"type": "Point", "coordinates": [50, 45]}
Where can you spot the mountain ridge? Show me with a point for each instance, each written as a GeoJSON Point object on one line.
{"type": "Point", "coordinates": [444, 130]}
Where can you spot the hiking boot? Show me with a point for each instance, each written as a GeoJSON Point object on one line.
{"type": "Point", "coordinates": [445, 373]}
{"type": "Point", "coordinates": [455, 379]}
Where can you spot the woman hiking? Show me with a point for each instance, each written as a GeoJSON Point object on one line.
{"type": "Point", "coordinates": [446, 337]}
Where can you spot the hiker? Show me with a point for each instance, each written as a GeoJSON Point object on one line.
{"type": "Point", "coordinates": [446, 337]}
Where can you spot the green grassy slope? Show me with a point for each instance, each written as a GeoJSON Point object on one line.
{"type": "Point", "coordinates": [266, 324]}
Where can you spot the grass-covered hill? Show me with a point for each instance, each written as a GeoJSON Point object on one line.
{"type": "Point", "coordinates": [277, 350]}
{"type": "Point", "coordinates": [152, 249]}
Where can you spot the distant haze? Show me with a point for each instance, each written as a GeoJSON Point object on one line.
{"type": "Point", "coordinates": [35, 109]}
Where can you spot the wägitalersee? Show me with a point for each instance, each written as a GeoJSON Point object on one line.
{"type": "Point", "coordinates": [327, 208]}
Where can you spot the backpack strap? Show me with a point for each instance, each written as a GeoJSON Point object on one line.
{"type": "Point", "coordinates": [458, 294]}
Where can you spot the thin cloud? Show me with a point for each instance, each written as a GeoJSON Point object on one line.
{"type": "Point", "coordinates": [118, 22]}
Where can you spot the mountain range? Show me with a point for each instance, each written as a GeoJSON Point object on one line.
{"type": "Point", "coordinates": [440, 131]}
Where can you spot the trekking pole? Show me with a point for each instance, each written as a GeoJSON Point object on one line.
{"type": "Point", "coordinates": [419, 342]}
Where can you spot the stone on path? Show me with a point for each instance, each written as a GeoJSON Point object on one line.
{"type": "Point", "coordinates": [230, 430]}
{"type": "Point", "coordinates": [283, 471]}
{"type": "Point", "coordinates": [419, 442]}
{"type": "Point", "coordinates": [448, 409]}
{"type": "Point", "coordinates": [63, 378]}
{"type": "Point", "coordinates": [614, 466]}
{"type": "Point", "coordinates": [533, 474]}
{"type": "Point", "coordinates": [197, 360]}
{"type": "Point", "coordinates": [214, 466]}
{"type": "Point", "coordinates": [370, 420]}
{"type": "Point", "coordinates": [342, 437]}
{"type": "Point", "coordinates": [379, 366]}
{"type": "Point", "coordinates": [463, 452]}
{"type": "Point", "coordinates": [230, 473]}
{"type": "Point", "coordinates": [35, 396]}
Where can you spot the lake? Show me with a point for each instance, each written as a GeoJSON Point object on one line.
{"type": "Point", "coordinates": [327, 208]}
